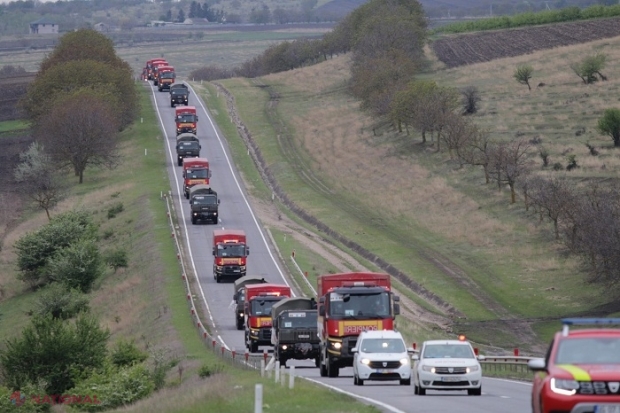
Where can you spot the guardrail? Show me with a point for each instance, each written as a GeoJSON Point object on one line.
{"type": "Point", "coordinates": [506, 363]}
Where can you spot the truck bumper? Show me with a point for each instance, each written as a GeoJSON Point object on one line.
{"type": "Point", "coordinates": [299, 351]}
{"type": "Point", "coordinates": [233, 272]}
{"type": "Point", "coordinates": [211, 216]}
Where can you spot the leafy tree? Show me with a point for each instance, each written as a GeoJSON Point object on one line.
{"type": "Point", "coordinates": [56, 351]}
{"type": "Point", "coordinates": [125, 353]}
{"type": "Point", "coordinates": [84, 44]}
{"type": "Point", "coordinates": [60, 302]}
{"type": "Point", "coordinates": [523, 74]}
{"type": "Point", "coordinates": [81, 132]}
{"type": "Point", "coordinates": [113, 85]}
{"type": "Point", "coordinates": [77, 266]}
{"type": "Point", "coordinates": [590, 67]}
{"type": "Point", "coordinates": [194, 8]}
{"type": "Point", "coordinates": [35, 248]}
{"type": "Point", "coordinates": [609, 124]}
{"type": "Point", "coordinates": [168, 17]}
{"type": "Point", "coordinates": [181, 16]}
{"type": "Point", "coordinates": [39, 178]}
{"type": "Point", "coordinates": [261, 15]}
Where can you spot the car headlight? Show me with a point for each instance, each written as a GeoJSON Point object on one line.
{"type": "Point", "coordinates": [428, 368]}
{"type": "Point", "coordinates": [365, 361]}
{"type": "Point", "coordinates": [564, 387]}
{"type": "Point", "coordinates": [404, 361]}
{"type": "Point", "coordinates": [472, 368]}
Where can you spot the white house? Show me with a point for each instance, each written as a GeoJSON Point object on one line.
{"type": "Point", "coordinates": [43, 26]}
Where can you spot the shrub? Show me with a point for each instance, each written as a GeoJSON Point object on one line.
{"type": "Point", "coordinates": [207, 371]}
{"type": "Point", "coordinates": [18, 401]}
{"type": "Point", "coordinates": [60, 302]}
{"type": "Point", "coordinates": [116, 258]}
{"type": "Point", "coordinates": [115, 387]}
{"type": "Point", "coordinates": [558, 166]}
{"type": "Point", "coordinates": [115, 210]}
{"type": "Point", "coordinates": [77, 266]}
{"type": "Point", "coordinates": [125, 353]}
{"type": "Point", "coordinates": [54, 351]}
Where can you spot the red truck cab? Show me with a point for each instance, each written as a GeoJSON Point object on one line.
{"type": "Point", "coordinates": [165, 77]}
{"type": "Point", "coordinates": [186, 119]}
{"type": "Point", "coordinates": [195, 171]}
{"type": "Point", "coordinates": [156, 66]}
{"type": "Point", "coordinates": [150, 66]}
{"type": "Point", "coordinates": [259, 298]}
{"type": "Point", "coordinates": [230, 251]}
{"type": "Point", "coordinates": [350, 303]}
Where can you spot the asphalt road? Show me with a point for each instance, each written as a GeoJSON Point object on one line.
{"type": "Point", "coordinates": [236, 213]}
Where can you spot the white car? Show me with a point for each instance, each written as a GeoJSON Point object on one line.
{"type": "Point", "coordinates": [447, 365]}
{"type": "Point", "coordinates": [381, 355]}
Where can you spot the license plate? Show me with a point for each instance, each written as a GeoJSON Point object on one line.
{"type": "Point", "coordinates": [607, 408]}
{"type": "Point", "coordinates": [452, 378]}
{"type": "Point", "coordinates": [383, 371]}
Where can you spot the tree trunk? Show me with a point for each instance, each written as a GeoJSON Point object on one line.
{"type": "Point", "coordinates": [616, 137]}
{"type": "Point", "coordinates": [513, 195]}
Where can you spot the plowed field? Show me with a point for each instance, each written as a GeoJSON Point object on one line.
{"type": "Point", "coordinates": [485, 46]}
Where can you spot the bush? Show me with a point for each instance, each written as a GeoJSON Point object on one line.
{"type": "Point", "coordinates": [18, 401]}
{"type": "Point", "coordinates": [115, 387]}
{"type": "Point", "coordinates": [116, 258]}
{"type": "Point", "coordinates": [207, 371]}
{"type": "Point", "coordinates": [60, 302]}
{"type": "Point", "coordinates": [125, 353]}
{"type": "Point", "coordinates": [54, 351]}
{"type": "Point", "coordinates": [77, 266]}
{"type": "Point", "coordinates": [115, 210]}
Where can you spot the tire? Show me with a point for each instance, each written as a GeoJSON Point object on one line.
{"type": "Point", "coordinates": [282, 362]}
{"type": "Point", "coordinates": [421, 391]}
{"type": "Point", "coordinates": [217, 278]}
{"type": "Point", "coordinates": [355, 379]}
{"type": "Point", "coordinates": [317, 362]}
{"type": "Point", "coordinates": [323, 368]}
{"type": "Point", "coordinates": [416, 389]}
{"type": "Point", "coordinates": [332, 369]}
{"type": "Point", "coordinates": [360, 382]}
{"type": "Point", "coordinates": [253, 347]}
{"type": "Point", "coordinates": [186, 195]}
{"type": "Point", "coordinates": [171, 104]}
{"type": "Point", "coordinates": [239, 324]}
{"type": "Point", "coordinates": [474, 392]}
{"type": "Point", "coordinates": [194, 220]}
{"type": "Point", "coordinates": [180, 162]}
{"type": "Point", "coordinates": [405, 382]}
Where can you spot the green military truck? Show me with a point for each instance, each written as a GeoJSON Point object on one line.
{"type": "Point", "coordinates": [294, 332]}
{"type": "Point", "coordinates": [188, 146]}
{"type": "Point", "coordinates": [203, 203]}
{"type": "Point", "coordinates": [239, 296]}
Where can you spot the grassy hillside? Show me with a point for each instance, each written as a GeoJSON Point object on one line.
{"type": "Point", "coordinates": [461, 239]}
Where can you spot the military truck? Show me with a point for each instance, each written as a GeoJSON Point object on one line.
{"type": "Point", "coordinates": [239, 296]}
{"type": "Point", "coordinates": [188, 146]}
{"type": "Point", "coordinates": [294, 333]}
{"type": "Point", "coordinates": [203, 203]}
{"type": "Point", "coordinates": [179, 94]}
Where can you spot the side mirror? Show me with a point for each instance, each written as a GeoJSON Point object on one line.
{"type": "Point", "coordinates": [396, 299]}
{"type": "Point", "coordinates": [322, 311]}
{"type": "Point", "coordinates": [396, 309]}
{"type": "Point", "coordinates": [199, 146]}
{"type": "Point", "coordinates": [209, 173]}
{"type": "Point", "coordinates": [415, 357]}
{"type": "Point", "coordinates": [537, 365]}
{"type": "Point", "coordinates": [247, 251]}
{"type": "Point", "coordinates": [410, 350]}
{"type": "Point", "coordinates": [481, 357]}
{"type": "Point", "coordinates": [191, 201]}
{"type": "Point", "coordinates": [354, 350]}
{"type": "Point", "coordinates": [218, 201]}
{"type": "Point", "coordinates": [214, 251]}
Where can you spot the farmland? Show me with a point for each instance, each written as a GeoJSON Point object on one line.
{"type": "Point", "coordinates": [486, 46]}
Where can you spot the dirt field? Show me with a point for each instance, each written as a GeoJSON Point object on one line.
{"type": "Point", "coordinates": [486, 46]}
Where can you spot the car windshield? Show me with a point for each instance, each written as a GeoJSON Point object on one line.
{"type": "Point", "coordinates": [205, 200]}
{"type": "Point", "coordinates": [455, 351]}
{"type": "Point", "coordinates": [186, 118]}
{"type": "Point", "coordinates": [297, 319]}
{"type": "Point", "coordinates": [589, 350]}
{"type": "Point", "coordinates": [168, 75]}
{"type": "Point", "coordinates": [382, 345]}
{"type": "Point", "coordinates": [231, 250]}
{"type": "Point", "coordinates": [361, 306]}
{"type": "Point", "coordinates": [197, 174]}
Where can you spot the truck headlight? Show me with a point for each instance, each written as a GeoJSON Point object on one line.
{"type": "Point", "coordinates": [336, 345]}
{"type": "Point", "coordinates": [241, 314]}
{"type": "Point", "coordinates": [252, 331]}
{"type": "Point", "coordinates": [242, 268]}
{"type": "Point", "coordinates": [284, 347]}
{"type": "Point", "coordinates": [564, 387]}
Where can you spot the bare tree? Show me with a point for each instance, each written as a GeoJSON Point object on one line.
{"type": "Point", "coordinates": [553, 197]}
{"type": "Point", "coordinates": [510, 163]}
{"type": "Point", "coordinates": [523, 74]}
{"type": "Point", "coordinates": [470, 100]}
{"type": "Point", "coordinates": [40, 179]}
{"type": "Point", "coordinates": [456, 133]}
{"type": "Point", "coordinates": [477, 152]}
{"type": "Point", "coordinates": [80, 131]}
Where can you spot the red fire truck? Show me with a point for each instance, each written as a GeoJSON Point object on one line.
{"type": "Point", "coordinates": [259, 298]}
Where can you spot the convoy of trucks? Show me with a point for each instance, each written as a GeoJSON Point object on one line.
{"type": "Point", "coordinates": [239, 296]}
{"type": "Point", "coordinates": [259, 299]}
{"type": "Point", "coordinates": [230, 252]}
{"type": "Point", "coordinates": [349, 303]}
{"type": "Point", "coordinates": [294, 330]}
{"type": "Point", "coordinates": [324, 329]}
{"type": "Point", "coordinates": [165, 78]}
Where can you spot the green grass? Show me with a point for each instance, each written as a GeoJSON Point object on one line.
{"type": "Point", "coordinates": [13, 125]}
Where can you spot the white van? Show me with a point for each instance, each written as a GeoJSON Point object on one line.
{"type": "Point", "coordinates": [381, 355]}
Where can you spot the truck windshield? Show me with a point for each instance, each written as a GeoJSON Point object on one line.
{"type": "Point", "coordinates": [297, 319]}
{"type": "Point", "coordinates": [197, 173]}
{"type": "Point", "coordinates": [359, 306]}
{"type": "Point", "coordinates": [262, 307]}
{"type": "Point", "coordinates": [179, 91]}
{"type": "Point", "coordinates": [230, 250]}
{"type": "Point", "coordinates": [168, 75]}
{"type": "Point", "coordinates": [189, 145]}
{"type": "Point", "coordinates": [186, 118]}
{"type": "Point", "coordinates": [205, 200]}
{"type": "Point", "coordinates": [589, 350]}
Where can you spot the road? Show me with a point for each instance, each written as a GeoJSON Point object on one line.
{"type": "Point", "coordinates": [236, 213]}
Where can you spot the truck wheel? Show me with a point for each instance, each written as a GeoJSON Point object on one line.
{"type": "Point", "coordinates": [194, 220]}
{"type": "Point", "coordinates": [239, 324]}
{"type": "Point", "coordinates": [171, 104]}
{"type": "Point", "coordinates": [332, 369]}
{"type": "Point", "coordinates": [317, 362]}
{"type": "Point", "coordinates": [253, 347]}
{"type": "Point", "coordinates": [187, 195]}
{"type": "Point", "coordinates": [282, 360]}
{"type": "Point", "coordinates": [180, 162]}
{"type": "Point", "coordinates": [322, 367]}
{"type": "Point", "coordinates": [217, 278]}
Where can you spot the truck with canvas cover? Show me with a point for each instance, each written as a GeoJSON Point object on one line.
{"type": "Point", "coordinates": [230, 252]}
{"type": "Point", "coordinates": [150, 65]}
{"type": "Point", "coordinates": [350, 303]}
{"type": "Point", "coordinates": [203, 204]}
{"type": "Point", "coordinates": [156, 66]}
{"type": "Point", "coordinates": [179, 94]}
{"type": "Point", "coordinates": [165, 77]}
{"type": "Point", "coordinates": [294, 330]}
{"type": "Point", "coordinates": [195, 171]}
{"type": "Point", "coordinates": [259, 299]}
{"type": "Point", "coordinates": [188, 146]}
{"type": "Point", "coordinates": [186, 119]}
{"type": "Point", "coordinates": [239, 296]}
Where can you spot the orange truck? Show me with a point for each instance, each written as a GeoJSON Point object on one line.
{"type": "Point", "coordinates": [148, 68]}
{"type": "Point", "coordinates": [186, 119]}
{"type": "Point", "coordinates": [230, 252]}
{"type": "Point", "coordinates": [349, 303]}
{"type": "Point", "coordinates": [195, 171]}
{"type": "Point", "coordinates": [165, 77]}
{"type": "Point", "coordinates": [259, 298]}
{"type": "Point", "coordinates": [156, 66]}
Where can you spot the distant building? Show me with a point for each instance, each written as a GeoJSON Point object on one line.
{"type": "Point", "coordinates": [43, 26]}
{"type": "Point", "coordinates": [103, 27]}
